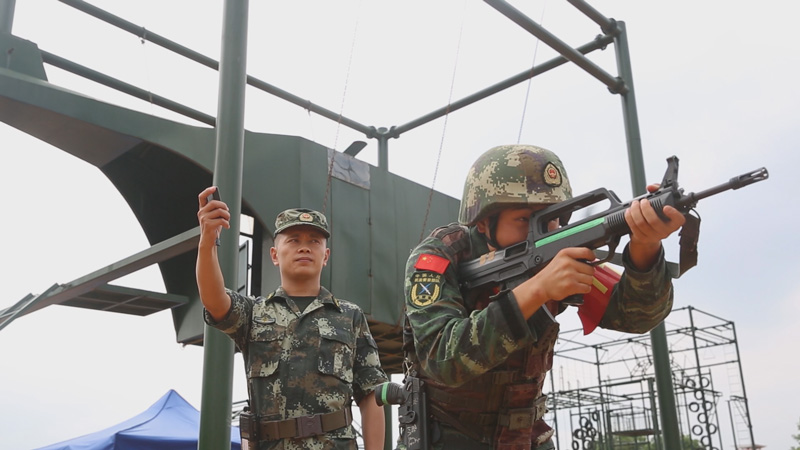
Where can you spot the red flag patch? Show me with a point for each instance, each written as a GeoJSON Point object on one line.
{"type": "Point", "coordinates": [432, 262]}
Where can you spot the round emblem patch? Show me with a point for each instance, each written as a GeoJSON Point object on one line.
{"type": "Point", "coordinates": [551, 175]}
{"type": "Point", "coordinates": [426, 288]}
{"type": "Point", "coordinates": [305, 217]}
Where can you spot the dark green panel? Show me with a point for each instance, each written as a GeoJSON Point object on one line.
{"type": "Point", "coordinates": [386, 256]}
{"type": "Point", "coordinates": [399, 209]}
{"type": "Point", "coordinates": [313, 181]}
{"type": "Point", "coordinates": [271, 175]}
{"type": "Point", "coordinates": [350, 244]}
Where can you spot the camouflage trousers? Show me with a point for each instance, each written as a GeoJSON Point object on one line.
{"type": "Point", "coordinates": [450, 438]}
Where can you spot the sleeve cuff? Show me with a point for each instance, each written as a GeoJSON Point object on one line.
{"type": "Point", "coordinates": [509, 309]}
{"type": "Point", "coordinates": [216, 323]}
{"type": "Point", "coordinates": [633, 273]}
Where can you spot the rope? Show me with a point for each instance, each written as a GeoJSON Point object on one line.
{"type": "Point", "coordinates": [339, 122]}
{"type": "Point", "coordinates": [444, 127]}
{"type": "Point", "coordinates": [530, 81]}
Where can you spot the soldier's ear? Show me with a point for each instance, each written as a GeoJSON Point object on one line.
{"type": "Point", "coordinates": [482, 225]}
{"type": "Point", "coordinates": [273, 253]}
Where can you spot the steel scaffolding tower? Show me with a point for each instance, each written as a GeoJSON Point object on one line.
{"type": "Point", "coordinates": [610, 402]}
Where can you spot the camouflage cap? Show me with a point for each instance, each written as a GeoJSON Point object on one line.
{"type": "Point", "coordinates": [512, 175]}
{"type": "Point", "coordinates": [301, 216]}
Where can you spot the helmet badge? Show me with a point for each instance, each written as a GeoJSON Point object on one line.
{"type": "Point", "coordinates": [551, 175]}
{"type": "Point", "coordinates": [305, 217]}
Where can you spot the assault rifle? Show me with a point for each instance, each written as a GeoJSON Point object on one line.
{"type": "Point", "coordinates": [516, 263]}
{"type": "Point", "coordinates": [413, 411]}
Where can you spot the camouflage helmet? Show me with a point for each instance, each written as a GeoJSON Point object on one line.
{"type": "Point", "coordinates": [512, 175]}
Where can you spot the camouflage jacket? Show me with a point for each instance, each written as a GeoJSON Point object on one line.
{"type": "Point", "coordinates": [303, 363]}
{"type": "Point", "coordinates": [462, 339]}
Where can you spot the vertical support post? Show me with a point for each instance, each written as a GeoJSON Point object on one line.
{"type": "Point", "coordinates": [654, 412]}
{"type": "Point", "coordinates": [387, 417]}
{"type": "Point", "coordinates": [744, 392]}
{"type": "Point", "coordinates": [700, 386]}
{"type": "Point", "coordinates": [555, 407]}
{"type": "Point", "coordinates": [217, 390]}
{"type": "Point", "coordinates": [606, 428]}
{"type": "Point", "coordinates": [629, 114]}
{"type": "Point", "coordinates": [733, 426]}
{"type": "Point", "coordinates": [7, 15]}
{"type": "Point", "coordinates": [383, 148]}
{"type": "Point", "coordinates": [609, 438]}
{"type": "Point", "coordinates": [658, 336]}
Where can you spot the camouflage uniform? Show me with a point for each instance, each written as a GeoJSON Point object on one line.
{"type": "Point", "coordinates": [302, 363]}
{"type": "Point", "coordinates": [483, 363]}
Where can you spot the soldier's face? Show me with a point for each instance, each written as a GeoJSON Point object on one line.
{"type": "Point", "coordinates": [300, 252]}
{"type": "Point", "coordinates": [512, 225]}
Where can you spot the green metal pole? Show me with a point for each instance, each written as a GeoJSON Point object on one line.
{"type": "Point", "coordinates": [658, 336]}
{"type": "Point", "coordinates": [215, 410]}
{"type": "Point", "coordinates": [387, 417]}
{"type": "Point", "coordinates": [383, 148]}
{"type": "Point", "coordinates": [654, 413]}
{"type": "Point", "coordinates": [7, 15]}
{"type": "Point", "coordinates": [744, 392]}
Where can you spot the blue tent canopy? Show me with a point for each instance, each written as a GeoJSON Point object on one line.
{"type": "Point", "coordinates": [170, 423]}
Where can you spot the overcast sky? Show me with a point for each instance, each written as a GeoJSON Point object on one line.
{"type": "Point", "coordinates": [715, 85]}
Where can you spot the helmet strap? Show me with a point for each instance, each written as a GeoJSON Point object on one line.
{"type": "Point", "coordinates": [492, 237]}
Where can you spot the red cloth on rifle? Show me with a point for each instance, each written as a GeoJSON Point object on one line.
{"type": "Point", "coordinates": [596, 301]}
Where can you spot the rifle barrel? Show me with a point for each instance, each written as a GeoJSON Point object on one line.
{"type": "Point", "coordinates": [691, 199]}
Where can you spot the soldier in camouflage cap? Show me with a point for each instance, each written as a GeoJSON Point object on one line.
{"type": "Point", "coordinates": [302, 216]}
{"type": "Point", "coordinates": [308, 354]}
{"type": "Point", "coordinates": [484, 353]}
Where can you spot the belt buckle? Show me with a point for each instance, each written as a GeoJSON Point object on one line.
{"type": "Point", "coordinates": [309, 426]}
{"type": "Point", "coordinates": [247, 426]}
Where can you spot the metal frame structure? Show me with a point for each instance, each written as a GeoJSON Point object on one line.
{"type": "Point", "coordinates": [614, 404]}
{"type": "Point", "coordinates": [230, 132]}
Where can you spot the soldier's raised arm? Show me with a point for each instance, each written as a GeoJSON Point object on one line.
{"type": "Point", "coordinates": [213, 215]}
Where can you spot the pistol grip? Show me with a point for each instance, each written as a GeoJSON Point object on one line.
{"type": "Point", "coordinates": [573, 300]}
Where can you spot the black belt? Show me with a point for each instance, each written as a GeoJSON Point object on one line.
{"type": "Point", "coordinates": [298, 427]}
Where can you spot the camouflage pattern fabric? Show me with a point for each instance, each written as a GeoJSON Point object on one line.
{"type": "Point", "coordinates": [301, 363]}
{"type": "Point", "coordinates": [476, 345]}
{"type": "Point", "coordinates": [302, 216]}
{"type": "Point", "coordinates": [512, 175]}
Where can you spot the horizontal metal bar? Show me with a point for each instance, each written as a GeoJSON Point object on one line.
{"type": "Point", "coordinates": [598, 43]}
{"type": "Point", "coordinates": [615, 84]}
{"type": "Point", "coordinates": [159, 40]}
{"type": "Point", "coordinates": [129, 89]}
{"type": "Point", "coordinates": [609, 26]}
{"type": "Point", "coordinates": [164, 250]}
{"type": "Point", "coordinates": [141, 32]}
{"type": "Point", "coordinates": [306, 104]}
{"type": "Point", "coordinates": [21, 308]}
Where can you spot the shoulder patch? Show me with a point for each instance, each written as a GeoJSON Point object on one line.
{"type": "Point", "coordinates": [433, 263]}
{"type": "Point", "coordinates": [426, 288]}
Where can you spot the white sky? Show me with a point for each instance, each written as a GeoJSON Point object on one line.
{"type": "Point", "coordinates": [715, 85]}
